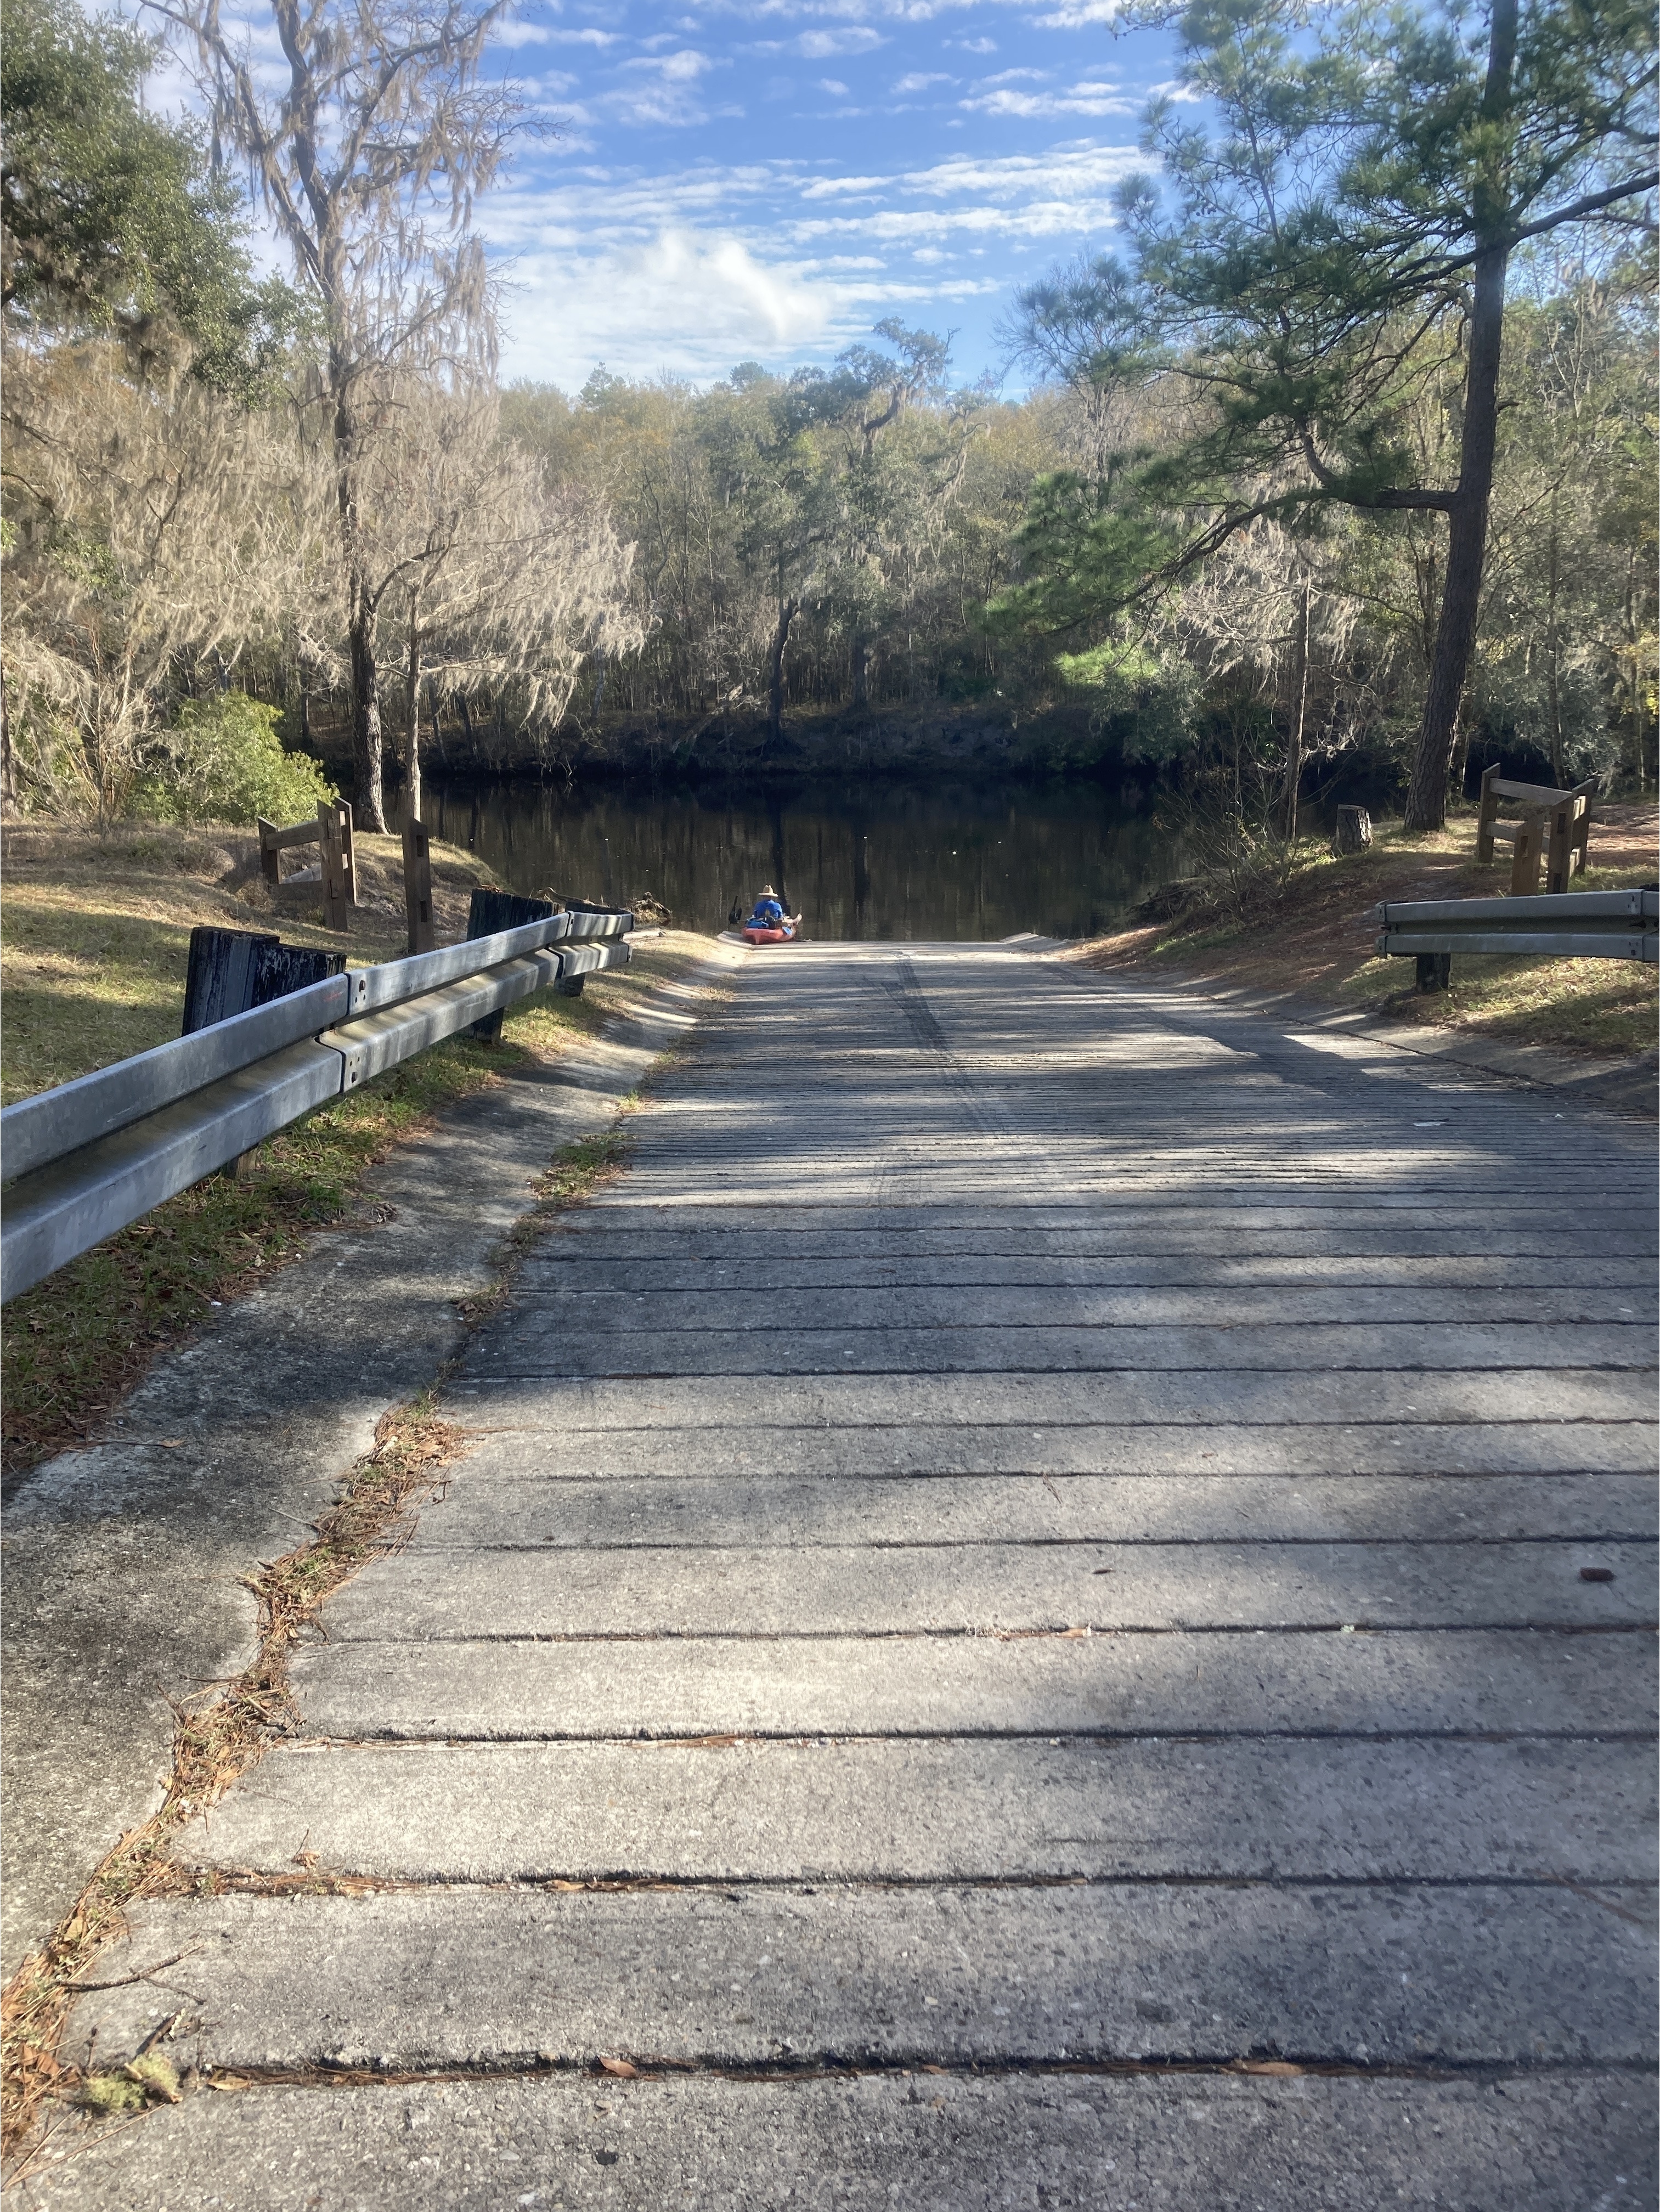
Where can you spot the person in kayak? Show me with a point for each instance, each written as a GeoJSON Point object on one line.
{"type": "Point", "coordinates": [769, 910]}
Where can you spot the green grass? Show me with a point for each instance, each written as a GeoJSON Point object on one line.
{"type": "Point", "coordinates": [77, 1341]}
{"type": "Point", "coordinates": [96, 943]}
{"type": "Point", "coordinates": [1606, 1006]}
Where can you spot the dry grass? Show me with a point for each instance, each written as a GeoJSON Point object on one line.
{"type": "Point", "coordinates": [1318, 941]}
{"type": "Point", "coordinates": [96, 936]}
{"type": "Point", "coordinates": [97, 931]}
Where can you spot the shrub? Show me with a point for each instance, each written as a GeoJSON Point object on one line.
{"type": "Point", "coordinates": [222, 760]}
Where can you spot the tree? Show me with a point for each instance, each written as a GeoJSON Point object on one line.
{"type": "Point", "coordinates": [368, 161]}
{"type": "Point", "coordinates": [504, 579]}
{"type": "Point", "coordinates": [147, 529]}
{"type": "Point", "coordinates": [777, 461]}
{"type": "Point", "coordinates": [1341, 236]}
{"type": "Point", "coordinates": [112, 220]}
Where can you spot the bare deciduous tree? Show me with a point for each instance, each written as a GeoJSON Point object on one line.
{"type": "Point", "coordinates": [368, 160]}
{"type": "Point", "coordinates": [505, 582]}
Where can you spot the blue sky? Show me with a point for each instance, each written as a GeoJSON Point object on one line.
{"type": "Point", "coordinates": [763, 179]}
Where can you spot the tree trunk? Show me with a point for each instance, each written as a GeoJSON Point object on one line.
{"type": "Point", "coordinates": [415, 709]}
{"type": "Point", "coordinates": [788, 610]}
{"type": "Point", "coordinates": [1552, 646]}
{"type": "Point", "coordinates": [1300, 717]}
{"type": "Point", "coordinates": [860, 674]}
{"type": "Point", "coordinates": [466, 724]}
{"type": "Point", "coordinates": [369, 812]}
{"type": "Point", "coordinates": [7, 758]}
{"type": "Point", "coordinates": [1455, 635]}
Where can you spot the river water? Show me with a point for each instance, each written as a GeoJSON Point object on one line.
{"type": "Point", "coordinates": [950, 863]}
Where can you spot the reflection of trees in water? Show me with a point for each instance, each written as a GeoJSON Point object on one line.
{"type": "Point", "coordinates": [974, 863]}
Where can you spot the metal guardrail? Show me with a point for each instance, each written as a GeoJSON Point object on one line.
{"type": "Point", "coordinates": [90, 1156]}
{"type": "Point", "coordinates": [1562, 925]}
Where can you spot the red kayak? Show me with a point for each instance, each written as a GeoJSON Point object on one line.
{"type": "Point", "coordinates": [752, 936]}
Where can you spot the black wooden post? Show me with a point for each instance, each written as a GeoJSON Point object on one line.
{"type": "Point", "coordinates": [233, 970]}
{"type": "Point", "coordinates": [1434, 970]}
{"type": "Point", "coordinates": [220, 979]}
{"type": "Point", "coordinates": [489, 913]}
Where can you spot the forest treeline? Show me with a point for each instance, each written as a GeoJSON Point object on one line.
{"type": "Point", "coordinates": [1348, 452]}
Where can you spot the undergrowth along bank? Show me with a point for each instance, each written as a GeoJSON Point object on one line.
{"type": "Point", "coordinates": [1313, 934]}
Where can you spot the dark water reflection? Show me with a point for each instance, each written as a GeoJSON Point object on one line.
{"type": "Point", "coordinates": [954, 862]}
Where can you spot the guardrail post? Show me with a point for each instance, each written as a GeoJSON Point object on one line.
{"type": "Point", "coordinates": [271, 865]}
{"type": "Point", "coordinates": [417, 887]}
{"type": "Point", "coordinates": [1434, 970]}
{"type": "Point", "coordinates": [234, 970]}
{"type": "Point", "coordinates": [222, 976]}
{"type": "Point", "coordinates": [488, 912]}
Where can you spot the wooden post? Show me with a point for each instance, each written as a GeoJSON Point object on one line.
{"type": "Point", "coordinates": [334, 841]}
{"type": "Point", "coordinates": [1352, 833]}
{"type": "Point", "coordinates": [222, 976]}
{"type": "Point", "coordinates": [270, 865]}
{"type": "Point", "coordinates": [1581, 826]}
{"type": "Point", "coordinates": [233, 970]}
{"type": "Point", "coordinates": [488, 912]}
{"type": "Point", "coordinates": [1434, 970]}
{"type": "Point", "coordinates": [1487, 817]}
{"type": "Point", "coordinates": [349, 853]}
{"type": "Point", "coordinates": [1527, 853]}
{"type": "Point", "coordinates": [417, 887]}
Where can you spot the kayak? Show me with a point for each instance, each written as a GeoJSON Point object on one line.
{"type": "Point", "coordinates": [753, 936]}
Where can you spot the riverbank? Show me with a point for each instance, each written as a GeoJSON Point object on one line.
{"type": "Point", "coordinates": [1317, 940]}
{"type": "Point", "coordinates": [95, 942]}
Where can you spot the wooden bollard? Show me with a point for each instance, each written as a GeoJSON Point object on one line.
{"type": "Point", "coordinates": [339, 870]}
{"type": "Point", "coordinates": [417, 887]}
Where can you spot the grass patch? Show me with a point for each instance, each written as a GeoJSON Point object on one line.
{"type": "Point", "coordinates": [1318, 940]}
{"type": "Point", "coordinates": [96, 943]}
{"type": "Point", "coordinates": [1603, 1006]}
{"type": "Point", "coordinates": [78, 1341]}
{"type": "Point", "coordinates": [95, 939]}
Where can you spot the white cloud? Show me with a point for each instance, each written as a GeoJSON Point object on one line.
{"type": "Point", "coordinates": [696, 269]}
{"type": "Point", "coordinates": [819, 46]}
{"type": "Point", "coordinates": [1082, 100]}
{"type": "Point", "coordinates": [832, 84]}
{"type": "Point", "coordinates": [920, 79]}
{"type": "Point", "coordinates": [660, 89]}
{"type": "Point", "coordinates": [1081, 14]}
{"type": "Point", "coordinates": [688, 300]}
{"type": "Point", "coordinates": [1081, 171]}
{"type": "Point", "coordinates": [589, 38]}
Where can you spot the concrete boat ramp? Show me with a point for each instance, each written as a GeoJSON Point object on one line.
{"type": "Point", "coordinates": [1013, 1632]}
